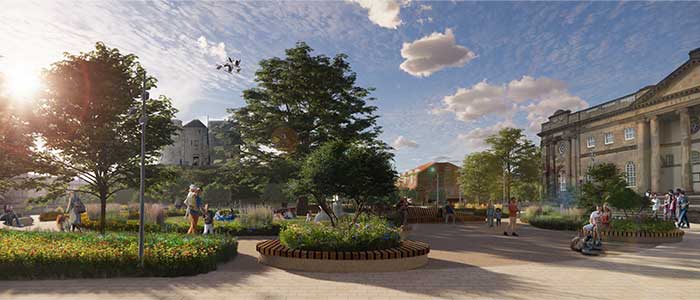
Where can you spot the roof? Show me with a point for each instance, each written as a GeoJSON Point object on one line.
{"type": "Point", "coordinates": [195, 124]}
{"type": "Point", "coordinates": [427, 165]}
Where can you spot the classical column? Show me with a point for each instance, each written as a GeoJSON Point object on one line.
{"type": "Point", "coordinates": [686, 176]}
{"type": "Point", "coordinates": [573, 160]}
{"type": "Point", "coordinates": [643, 174]}
{"type": "Point", "coordinates": [655, 154]}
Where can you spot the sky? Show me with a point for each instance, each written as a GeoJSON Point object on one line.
{"type": "Point", "coordinates": [447, 74]}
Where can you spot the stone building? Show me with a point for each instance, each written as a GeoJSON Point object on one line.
{"type": "Point", "coordinates": [429, 180]}
{"type": "Point", "coordinates": [190, 146]}
{"type": "Point", "coordinates": [653, 135]}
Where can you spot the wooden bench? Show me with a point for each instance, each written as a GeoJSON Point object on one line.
{"type": "Point", "coordinates": [405, 250]}
{"type": "Point", "coordinates": [431, 215]}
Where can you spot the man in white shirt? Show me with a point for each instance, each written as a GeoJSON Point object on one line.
{"type": "Point", "coordinates": [594, 219]}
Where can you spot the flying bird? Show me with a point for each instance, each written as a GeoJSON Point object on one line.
{"type": "Point", "coordinates": [231, 65]}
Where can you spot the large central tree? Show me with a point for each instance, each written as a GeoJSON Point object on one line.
{"type": "Point", "coordinates": [301, 102]}
{"type": "Point", "coordinates": [517, 156]}
{"type": "Point", "coordinates": [88, 120]}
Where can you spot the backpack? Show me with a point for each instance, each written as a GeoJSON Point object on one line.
{"type": "Point", "coordinates": [79, 207]}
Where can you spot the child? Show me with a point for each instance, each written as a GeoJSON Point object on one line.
{"type": "Point", "coordinates": [208, 220]}
{"type": "Point", "coordinates": [498, 217]}
{"type": "Point", "coordinates": [308, 217]}
{"type": "Point", "coordinates": [61, 222]}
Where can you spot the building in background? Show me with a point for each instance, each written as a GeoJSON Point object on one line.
{"type": "Point", "coordinates": [652, 135]}
{"type": "Point", "coordinates": [190, 145]}
{"type": "Point", "coordinates": [429, 180]}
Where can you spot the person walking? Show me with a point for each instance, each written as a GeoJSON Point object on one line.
{"type": "Point", "coordinates": [673, 207]}
{"type": "Point", "coordinates": [74, 209]}
{"type": "Point", "coordinates": [512, 216]}
{"type": "Point", "coordinates": [667, 205]}
{"type": "Point", "coordinates": [490, 214]}
{"type": "Point", "coordinates": [194, 208]}
{"type": "Point", "coordinates": [683, 204]}
{"type": "Point", "coordinates": [449, 213]}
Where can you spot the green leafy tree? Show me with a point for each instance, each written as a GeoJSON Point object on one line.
{"type": "Point", "coordinates": [479, 175]}
{"type": "Point", "coordinates": [300, 102]}
{"type": "Point", "coordinates": [85, 122]}
{"type": "Point", "coordinates": [15, 142]}
{"type": "Point", "coordinates": [518, 158]}
{"type": "Point", "coordinates": [323, 175]}
{"type": "Point", "coordinates": [370, 176]}
{"type": "Point", "coordinates": [606, 179]}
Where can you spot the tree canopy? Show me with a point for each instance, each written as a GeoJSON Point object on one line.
{"type": "Point", "coordinates": [84, 120]}
{"type": "Point", "coordinates": [479, 176]}
{"type": "Point", "coordinates": [15, 142]}
{"type": "Point", "coordinates": [518, 157]}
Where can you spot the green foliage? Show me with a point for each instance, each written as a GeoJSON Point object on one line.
{"type": "Point", "coordinates": [33, 255]}
{"type": "Point", "coordinates": [607, 184]}
{"type": "Point", "coordinates": [646, 225]}
{"type": "Point", "coordinates": [181, 225]}
{"type": "Point", "coordinates": [369, 233]}
{"type": "Point", "coordinates": [84, 119]}
{"type": "Point", "coordinates": [480, 176]}
{"type": "Point", "coordinates": [256, 216]}
{"type": "Point", "coordinates": [557, 222]}
{"type": "Point", "coordinates": [627, 200]}
{"type": "Point", "coordinates": [518, 158]}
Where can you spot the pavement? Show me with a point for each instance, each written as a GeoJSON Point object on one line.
{"type": "Point", "coordinates": [467, 261]}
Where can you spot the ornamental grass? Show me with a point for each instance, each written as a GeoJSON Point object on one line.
{"type": "Point", "coordinates": [33, 254]}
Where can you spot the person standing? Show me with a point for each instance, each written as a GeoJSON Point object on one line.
{"type": "Point", "coordinates": [683, 204]}
{"type": "Point", "coordinates": [208, 220]}
{"type": "Point", "coordinates": [402, 208]}
{"type": "Point", "coordinates": [667, 205]}
{"type": "Point", "coordinates": [449, 212]}
{"type": "Point", "coordinates": [490, 213]}
{"type": "Point", "coordinates": [673, 207]}
{"type": "Point", "coordinates": [195, 210]}
{"type": "Point", "coordinates": [74, 209]}
{"type": "Point", "coordinates": [512, 216]}
{"type": "Point", "coordinates": [654, 205]}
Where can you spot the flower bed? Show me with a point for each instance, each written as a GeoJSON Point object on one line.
{"type": "Point", "coordinates": [369, 234]}
{"type": "Point", "coordinates": [32, 255]}
{"type": "Point", "coordinates": [233, 228]}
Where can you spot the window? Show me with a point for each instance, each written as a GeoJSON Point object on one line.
{"type": "Point", "coordinates": [562, 183]}
{"type": "Point", "coordinates": [195, 160]}
{"type": "Point", "coordinates": [631, 174]}
{"type": "Point", "coordinates": [629, 133]}
{"type": "Point", "coordinates": [608, 138]}
{"type": "Point", "coordinates": [695, 157]}
{"type": "Point", "coordinates": [668, 160]}
{"type": "Point", "coordinates": [590, 143]}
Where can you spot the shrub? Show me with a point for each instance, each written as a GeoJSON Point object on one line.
{"type": "Point", "coordinates": [154, 213]}
{"type": "Point", "coordinates": [256, 216]}
{"type": "Point", "coordinates": [481, 212]}
{"type": "Point", "coordinates": [647, 225]}
{"type": "Point", "coordinates": [233, 228]}
{"type": "Point", "coordinates": [174, 212]}
{"type": "Point", "coordinates": [557, 222]}
{"type": "Point", "coordinates": [370, 233]}
{"type": "Point", "coordinates": [60, 255]}
{"type": "Point", "coordinates": [93, 211]}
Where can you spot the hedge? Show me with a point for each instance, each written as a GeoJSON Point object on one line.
{"type": "Point", "coordinates": [233, 228]}
{"type": "Point", "coordinates": [34, 255]}
{"type": "Point", "coordinates": [556, 222]}
{"type": "Point", "coordinates": [481, 212]}
{"type": "Point", "coordinates": [371, 233]}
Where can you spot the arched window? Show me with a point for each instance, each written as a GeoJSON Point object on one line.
{"type": "Point", "coordinates": [631, 171]}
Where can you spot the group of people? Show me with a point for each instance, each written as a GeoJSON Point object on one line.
{"type": "Point", "coordinates": [599, 219]}
{"type": "Point", "coordinates": [195, 209]}
{"type": "Point", "coordinates": [673, 206]}
{"type": "Point", "coordinates": [8, 216]}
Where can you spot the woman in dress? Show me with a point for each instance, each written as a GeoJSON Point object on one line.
{"type": "Point", "coordinates": [195, 210]}
{"type": "Point", "coordinates": [73, 209]}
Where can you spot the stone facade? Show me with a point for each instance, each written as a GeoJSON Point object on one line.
{"type": "Point", "coordinates": [653, 135]}
{"type": "Point", "coordinates": [190, 146]}
{"type": "Point", "coordinates": [424, 182]}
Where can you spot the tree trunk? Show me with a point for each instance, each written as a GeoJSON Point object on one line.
{"type": "Point", "coordinates": [103, 210]}
{"type": "Point", "coordinates": [360, 207]}
{"type": "Point", "coordinates": [326, 209]}
{"type": "Point", "coordinates": [302, 206]}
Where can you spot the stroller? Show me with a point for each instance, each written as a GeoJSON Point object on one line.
{"type": "Point", "coordinates": [588, 243]}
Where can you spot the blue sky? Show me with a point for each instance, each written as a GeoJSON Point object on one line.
{"type": "Point", "coordinates": [446, 74]}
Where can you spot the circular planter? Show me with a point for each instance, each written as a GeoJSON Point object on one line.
{"type": "Point", "coordinates": [642, 236]}
{"type": "Point", "coordinates": [410, 255]}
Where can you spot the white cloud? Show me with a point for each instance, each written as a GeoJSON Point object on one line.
{"type": "Point", "coordinates": [432, 53]}
{"type": "Point", "coordinates": [475, 140]}
{"type": "Point", "coordinates": [538, 112]}
{"type": "Point", "coordinates": [538, 97]}
{"type": "Point", "coordinates": [384, 13]}
{"type": "Point", "coordinates": [470, 104]}
{"type": "Point", "coordinates": [424, 7]}
{"type": "Point", "coordinates": [213, 49]}
{"type": "Point", "coordinates": [402, 142]}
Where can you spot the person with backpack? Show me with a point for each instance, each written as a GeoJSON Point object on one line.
{"type": "Point", "coordinates": [75, 209]}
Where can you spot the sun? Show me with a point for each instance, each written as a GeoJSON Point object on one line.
{"type": "Point", "coordinates": [21, 83]}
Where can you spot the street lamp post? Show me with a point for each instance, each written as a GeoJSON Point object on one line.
{"type": "Point", "coordinates": [142, 121]}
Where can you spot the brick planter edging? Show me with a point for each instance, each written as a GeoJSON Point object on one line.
{"type": "Point", "coordinates": [406, 250]}
{"type": "Point", "coordinates": [643, 236]}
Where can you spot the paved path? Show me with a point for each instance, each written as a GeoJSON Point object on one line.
{"type": "Point", "coordinates": [466, 262]}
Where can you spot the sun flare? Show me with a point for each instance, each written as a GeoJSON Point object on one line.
{"type": "Point", "coordinates": [21, 82]}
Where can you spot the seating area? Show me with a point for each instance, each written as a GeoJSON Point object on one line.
{"type": "Point", "coordinates": [418, 214]}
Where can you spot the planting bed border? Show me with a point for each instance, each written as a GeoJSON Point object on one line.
{"type": "Point", "coordinates": [673, 236]}
{"type": "Point", "coordinates": [410, 255]}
